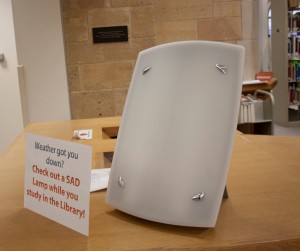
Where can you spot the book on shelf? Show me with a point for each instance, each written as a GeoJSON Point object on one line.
{"type": "Point", "coordinates": [294, 46]}
{"type": "Point", "coordinates": [294, 93]}
{"type": "Point", "coordinates": [293, 21]}
{"type": "Point", "coordinates": [294, 70]}
{"type": "Point", "coordinates": [251, 109]}
{"type": "Point", "coordinates": [264, 76]}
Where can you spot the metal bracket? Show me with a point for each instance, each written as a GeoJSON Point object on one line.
{"type": "Point", "coordinates": [146, 70]}
{"type": "Point", "coordinates": [121, 182]}
{"type": "Point", "coordinates": [222, 68]}
{"type": "Point", "coordinates": [225, 195]}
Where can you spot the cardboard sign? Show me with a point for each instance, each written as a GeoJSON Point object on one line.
{"type": "Point", "coordinates": [57, 181]}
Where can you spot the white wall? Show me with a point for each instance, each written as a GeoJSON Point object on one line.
{"type": "Point", "coordinates": [32, 42]}
{"type": "Point", "coordinates": [263, 40]}
{"type": "Point", "coordinates": [40, 49]}
{"type": "Point", "coordinates": [280, 60]}
{"type": "Point", "coordinates": [11, 123]}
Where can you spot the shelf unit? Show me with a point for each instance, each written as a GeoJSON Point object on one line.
{"type": "Point", "coordinates": [294, 64]}
{"type": "Point", "coordinates": [263, 113]}
{"type": "Point", "coordinates": [286, 62]}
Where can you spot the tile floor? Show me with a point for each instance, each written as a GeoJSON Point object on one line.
{"type": "Point", "coordinates": [286, 131]}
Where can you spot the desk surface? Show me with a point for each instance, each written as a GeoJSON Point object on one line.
{"type": "Point", "coordinates": [265, 86]}
{"type": "Point", "coordinates": [262, 212]}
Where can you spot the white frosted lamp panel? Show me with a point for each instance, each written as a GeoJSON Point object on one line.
{"type": "Point", "coordinates": [175, 141]}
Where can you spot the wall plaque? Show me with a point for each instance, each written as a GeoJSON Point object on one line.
{"type": "Point", "coordinates": [110, 34]}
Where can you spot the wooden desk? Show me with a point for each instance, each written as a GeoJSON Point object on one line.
{"type": "Point", "coordinates": [266, 86]}
{"type": "Point", "coordinates": [262, 212]}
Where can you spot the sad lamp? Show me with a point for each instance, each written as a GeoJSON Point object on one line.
{"type": "Point", "coordinates": [177, 132]}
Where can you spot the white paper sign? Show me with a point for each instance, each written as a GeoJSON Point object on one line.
{"type": "Point", "coordinates": [57, 181]}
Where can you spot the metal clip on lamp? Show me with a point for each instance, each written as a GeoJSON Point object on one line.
{"type": "Point", "coordinates": [176, 137]}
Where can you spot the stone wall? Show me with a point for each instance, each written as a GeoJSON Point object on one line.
{"type": "Point", "coordinates": [99, 74]}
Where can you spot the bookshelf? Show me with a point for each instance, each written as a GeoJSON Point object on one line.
{"type": "Point", "coordinates": [294, 63]}
{"type": "Point", "coordinates": [256, 113]}
{"type": "Point", "coordinates": [285, 39]}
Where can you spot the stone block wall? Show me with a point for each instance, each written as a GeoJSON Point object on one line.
{"type": "Point", "coordinates": [99, 74]}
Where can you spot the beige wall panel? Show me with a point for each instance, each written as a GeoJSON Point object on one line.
{"type": "Point", "coordinates": [75, 26]}
{"type": "Point", "coordinates": [205, 31]}
{"type": "Point", "coordinates": [83, 53]}
{"type": "Point", "coordinates": [100, 73]}
{"type": "Point", "coordinates": [250, 19]}
{"type": "Point", "coordinates": [219, 1]}
{"type": "Point", "coordinates": [166, 32]}
{"type": "Point", "coordinates": [125, 51]}
{"type": "Point", "coordinates": [220, 29]}
{"type": "Point", "coordinates": [98, 103]}
{"type": "Point", "coordinates": [108, 17]}
{"type": "Point", "coordinates": [176, 10]}
{"type": "Point", "coordinates": [251, 56]}
{"type": "Point", "coordinates": [73, 78]}
{"type": "Point", "coordinates": [142, 21]}
{"type": "Point", "coordinates": [106, 76]}
{"type": "Point", "coordinates": [227, 9]}
{"type": "Point", "coordinates": [84, 4]}
{"type": "Point", "coordinates": [126, 3]}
